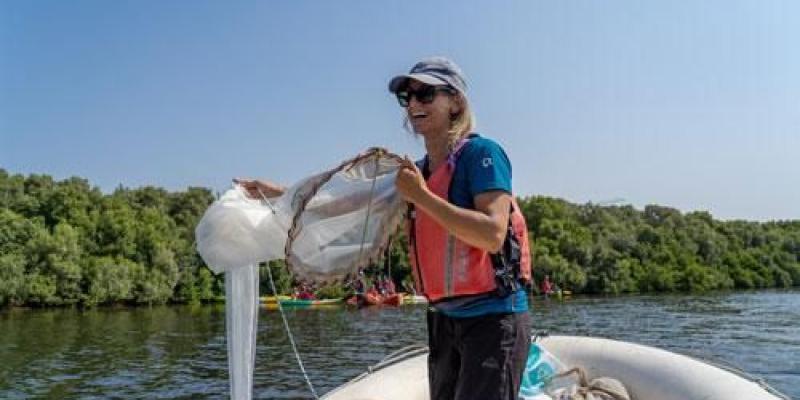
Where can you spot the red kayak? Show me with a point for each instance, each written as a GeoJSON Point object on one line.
{"type": "Point", "coordinates": [374, 299]}
{"type": "Point", "coordinates": [354, 300]}
{"type": "Point", "coordinates": [393, 299]}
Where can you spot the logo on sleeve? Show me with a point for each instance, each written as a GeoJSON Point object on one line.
{"type": "Point", "coordinates": [486, 162]}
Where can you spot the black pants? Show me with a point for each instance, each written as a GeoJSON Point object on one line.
{"type": "Point", "coordinates": [480, 358]}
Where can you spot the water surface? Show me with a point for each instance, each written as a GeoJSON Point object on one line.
{"type": "Point", "coordinates": [179, 351]}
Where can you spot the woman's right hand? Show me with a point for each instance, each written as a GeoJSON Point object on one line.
{"type": "Point", "coordinates": [254, 188]}
{"type": "Point", "coordinates": [410, 183]}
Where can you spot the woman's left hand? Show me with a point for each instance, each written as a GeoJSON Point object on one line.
{"type": "Point", "coordinates": [410, 183]}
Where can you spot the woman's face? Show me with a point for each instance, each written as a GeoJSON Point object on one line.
{"type": "Point", "coordinates": [430, 119]}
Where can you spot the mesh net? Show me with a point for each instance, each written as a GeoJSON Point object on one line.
{"type": "Point", "coordinates": [326, 226]}
{"type": "Point", "coordinates": [343, 218]}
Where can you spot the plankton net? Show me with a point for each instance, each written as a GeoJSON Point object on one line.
{"type": "Point", "coordinates": [326, 227]}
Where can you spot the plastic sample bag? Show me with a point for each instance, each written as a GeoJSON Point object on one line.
{"type": "Point", "coordinates": [237, 231]}
{"type": "Point", "coordinates": [541, 368]}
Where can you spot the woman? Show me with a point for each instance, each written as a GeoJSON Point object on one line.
{"type": "Point", "coordinates": [467, 240]}
{"type": "Point", "coordinates": [463, 232]}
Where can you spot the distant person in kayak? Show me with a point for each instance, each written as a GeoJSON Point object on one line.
{"type": "Point", "coordinates": [409, 287]}
{"type": "Point", "coordinates": [304, 292]}
{"type": "Point", "coordinates": [359, 286]}
{"type": "Point", "coordinates": [468, 242]}
{"type": "Point", "coordinates": [376, 289]}
{"type": "Point", "coordinates": [373, 295]}
{"type": "Point", "coordinates": [547, 286]}
{"type": "Point", "coordinates": [389, 287]}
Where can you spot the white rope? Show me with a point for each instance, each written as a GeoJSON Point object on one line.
{"type": "Point", "coordinates": [289, 334]}
{"type": "Point", "coordinates": [285, 321]}
{"type": "Point", "coordinates": [275, 292]}
{"type": "Point", "coordinates": [263, 196]}
{"type": "Point", "coordinates": [369, 209]}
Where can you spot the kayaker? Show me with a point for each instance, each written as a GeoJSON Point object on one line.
{"type": "Point", "coordinates": [388, 286]}
{"type": "Point", "coordinates": [358, 286]}
{"type": "Point", "coordinates": [408, 286]}
{"type": "Point", "coordinates": [304, 292]}
{"type": "Point", "coordinates": [376, 289]}
{"type": "Point", "coordinates": [547, 286]}
{"type": "Point", "coordinates": [461, 206]}
{"type": "Point", "coordinates": [373, 295]}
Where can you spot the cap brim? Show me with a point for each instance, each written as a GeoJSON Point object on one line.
{"type": "Point", "coordinates": [399, 81]}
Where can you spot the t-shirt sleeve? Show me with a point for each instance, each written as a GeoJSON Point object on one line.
{"type": "Point", "coordinates": [489, 168]}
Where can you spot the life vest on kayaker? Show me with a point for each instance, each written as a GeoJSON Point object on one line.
{"type": "Point", "coordinates": [547, 286]}
{"type": "Point", "coordinates": [443, 266]}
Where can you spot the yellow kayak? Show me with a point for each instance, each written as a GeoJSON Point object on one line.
{"type": "Point", "coordinates": [274, 299]}
{"type": "Point", "coordinates": [297, 303]}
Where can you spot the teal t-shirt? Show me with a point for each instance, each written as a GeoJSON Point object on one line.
{"type": "Point", "coordinates": [482, 166]}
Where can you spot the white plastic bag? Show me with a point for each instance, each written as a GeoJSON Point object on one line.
{"type": "Point", "coordinates": [241, 324]}
{"type": "Point", "coordinates": [237, 231]}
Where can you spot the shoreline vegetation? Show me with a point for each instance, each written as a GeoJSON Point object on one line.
{"type": "Point", "coordinates": [65, 243]}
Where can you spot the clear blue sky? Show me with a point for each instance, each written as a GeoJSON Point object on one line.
{"type": "Point", "coordinates": [694, 105]}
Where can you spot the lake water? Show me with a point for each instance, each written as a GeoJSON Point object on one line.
{"type": "Point", "coordinates": [180, 352]}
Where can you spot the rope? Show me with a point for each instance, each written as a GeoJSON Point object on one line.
{"type": "Point", "coordinates": [369, 208]}
{"type": "Point", "coordinates": [285, 321]}
{"type": "Point", "coordinates": [740, 372]}
{"type": "Point", "coordinates": [289, 334]}
{"type": "Point", "coordinates": [263, 196]}
{"type": "Point", "coordinates": [387, 257]}
{"type": "Point", "coordinates": [301, 199]}
{"type": "Point", "coordinates": [293, 231]}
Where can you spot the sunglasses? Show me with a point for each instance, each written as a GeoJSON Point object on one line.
{"type": "Point", "coordinates": [425, 94]}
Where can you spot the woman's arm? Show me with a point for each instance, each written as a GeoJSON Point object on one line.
{"type": "Point", "coordinates": [333, 207]}
{"type": "Point", "coordinates": [255, 188]}
{"type": "Point", "coordinates": [484, 228]}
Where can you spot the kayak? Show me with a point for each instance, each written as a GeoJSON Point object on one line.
{"type": "Point", "coordinates": [371, 299]}
{"type": "Point", "coordinates": [414, 299]}
{"type": "Point", "coordinates": [273, 299]}
{"type": "Point", "coordinates": [647, 373]}
{"type": "Point", "coordinates": [355, 300]}
{"type": "Point", "coordinates": [563, 294]}
{"type": "Point", "coordinates": [393, 299]}
{"type": "Point", "coordinates": [298, 303]}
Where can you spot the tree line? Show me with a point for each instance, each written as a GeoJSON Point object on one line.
{"type": "Point", "coordinates": [67, 243]}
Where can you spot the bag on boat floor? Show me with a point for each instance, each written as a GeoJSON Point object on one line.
{"type": "Point", "coordinates": [603, 388]}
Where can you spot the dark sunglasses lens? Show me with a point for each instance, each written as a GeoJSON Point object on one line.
{"type": "Point", "coordinates": [426, 94]}
{"type": "Point", "coordinates": [403, 98]}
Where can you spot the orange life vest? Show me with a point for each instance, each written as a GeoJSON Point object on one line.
{"type": "Point", "coordinates": [443, 266]}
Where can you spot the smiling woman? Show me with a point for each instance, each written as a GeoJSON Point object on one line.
{"type": "Point", "coordinates": [461, 118]}
{"type": "Point", "coordinates": [468, 241]}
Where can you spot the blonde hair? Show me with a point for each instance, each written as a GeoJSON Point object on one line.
{"type": "Point", "coordinates": [461, 124]}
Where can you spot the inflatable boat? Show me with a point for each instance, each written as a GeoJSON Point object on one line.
{"type": "Point", "coordinates": [648, 373]}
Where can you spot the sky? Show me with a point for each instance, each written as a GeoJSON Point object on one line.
{"type": "Point", "coordinates": [693, 105]}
